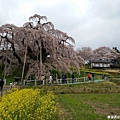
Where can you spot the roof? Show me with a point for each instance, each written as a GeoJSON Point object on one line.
{"type": "Point", "coordinates": [100, 61]}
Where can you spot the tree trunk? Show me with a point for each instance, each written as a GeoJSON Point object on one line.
{"type": "Point", "coordinates": [40, 58]}
{"type": "Point", "coordinates": [5, 60]}
{"type": "Point", "coordinates": [5, 67]}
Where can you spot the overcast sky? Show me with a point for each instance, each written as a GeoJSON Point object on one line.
{"type": "Point", "coordinates": [92, 23]}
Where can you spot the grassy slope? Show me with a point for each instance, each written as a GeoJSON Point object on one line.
{"type": "Point", "coordinates": [100, 87]}
{"type": "Point", "coordinates": [90, 101]}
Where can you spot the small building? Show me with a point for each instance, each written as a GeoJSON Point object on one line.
{"type": "Point", "coordinates": [100, 63]}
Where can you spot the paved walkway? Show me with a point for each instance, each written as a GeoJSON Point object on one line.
{"type": "Point", "coordinates": [90, 81]}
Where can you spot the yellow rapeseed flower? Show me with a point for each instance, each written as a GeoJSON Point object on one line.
{"type": "Point", "coordinates": [27, 104]}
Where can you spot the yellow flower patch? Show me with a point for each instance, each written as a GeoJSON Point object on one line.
{"type": "Point", "coordinates": [27, 104]}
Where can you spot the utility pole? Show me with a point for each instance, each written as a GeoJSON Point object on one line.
{"type": "Point", "coordinates": [24, 61]}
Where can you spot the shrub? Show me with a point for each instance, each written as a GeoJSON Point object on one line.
{"type": "Point", "coordinates": [27, 104]}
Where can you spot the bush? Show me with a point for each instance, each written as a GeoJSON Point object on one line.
{"type": "Point", "coordinates": [27, 104]}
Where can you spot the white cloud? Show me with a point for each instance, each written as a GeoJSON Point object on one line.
{"type": "Point", "coordinates": [91, 23]}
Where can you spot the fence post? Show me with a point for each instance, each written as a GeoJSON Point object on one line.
{"type": "Point", "coordinates": [24, 82]}
{"type": "Point", "coordinates": [35, 82]}
{"type": "Point", "coordinates": [67, 80]}
{"type": "Point", "coordinates": [84, 78]}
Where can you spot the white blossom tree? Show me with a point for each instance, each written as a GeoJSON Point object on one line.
{"type": "Point", "coordinates": [104, 53]}
{"type": "Point", "coordinates": [86, 53]}
{"type": "Point", "coordinates": [37, 46]}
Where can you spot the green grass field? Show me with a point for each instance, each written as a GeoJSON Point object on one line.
{"type": "Point", "coordinates": [89, 106]}
{"type": "Point", "coordinates": [88, 101]}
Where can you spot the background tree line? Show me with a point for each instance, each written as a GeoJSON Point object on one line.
{"type": "Point", "coordinates": [100, 53]}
